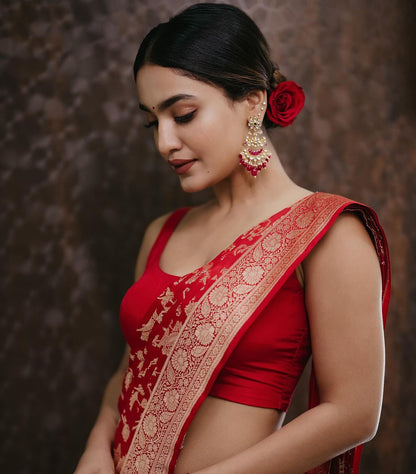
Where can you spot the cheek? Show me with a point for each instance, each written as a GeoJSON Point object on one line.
{"type": "Point", "coordinates": [208, 127]}
{"type": "Point", "coordinates": [220, 135]}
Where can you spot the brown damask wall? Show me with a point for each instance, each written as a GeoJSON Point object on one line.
{"type": "Point", "coordinates": [80, 179]}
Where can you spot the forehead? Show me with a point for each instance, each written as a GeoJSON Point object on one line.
{"type": "Point", "coordinates": [156, 84]}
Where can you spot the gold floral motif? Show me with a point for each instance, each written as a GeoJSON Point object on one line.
{"type": "Point", "coordinates": [258, 254]}
{"type": "Point", "coordinates": [198, 351]}
{"type": "Point", "coordinates": [205, 308]}
{"type": "Point", "coordinates": [292, 234]}
{"type": "Point", "coordinates": [180, 360]}
{"type": "Point", "coordinates": [272, 242]}
{"type": "Point", "coordinates": [219, 296]}
{"type": "Point", "coordinates": [142, 464]}
{"type": "Point", "coordinates": [150, 425]}
{"type": "Point", "coordinates": [166, 416]}
{"type": "Point", "coordinates": [305, 219]}
{"type": "Point", "coordinates": [171, 399]}
{"type": "Point", "coordinates": [204, 333]}
{"type": "Point", "coordinates": [253, 275]}
{"type": "Point", "coordinates": [219, 319]}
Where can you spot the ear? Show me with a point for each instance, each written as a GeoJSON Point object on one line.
{"type": "Point", "coordinates": [255, 102]}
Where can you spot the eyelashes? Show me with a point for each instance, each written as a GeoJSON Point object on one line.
{"type": "Point", "coordinates": [180, 119]}
{"type": "Point", "coordinates": [185, 118]}
{"type": "Point", "coordinates": [150, 124]}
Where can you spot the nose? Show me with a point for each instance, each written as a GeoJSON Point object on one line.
{"type": "Point", "coordinates": [167, 140]}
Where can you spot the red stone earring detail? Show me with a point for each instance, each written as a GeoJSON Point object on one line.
{"type": "Point", "coordinates": [254, 155]}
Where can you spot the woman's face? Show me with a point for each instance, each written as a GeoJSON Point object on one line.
{"type": "Point", "coordinates": [197, 130]}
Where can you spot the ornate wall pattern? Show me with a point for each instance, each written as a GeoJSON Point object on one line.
{"type": "Point", "coordinates": [80, 179]}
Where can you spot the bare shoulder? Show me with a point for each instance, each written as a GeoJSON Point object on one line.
{"type": "Point", "coordinates": [149, 237]}
{"type": "Point", "coordinates": [343, 272]}
{"type": "Point", "coordinates": [347, 242]}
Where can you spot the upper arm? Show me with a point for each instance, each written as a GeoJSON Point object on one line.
{"type": "Point", "coordinates": [343, 299]}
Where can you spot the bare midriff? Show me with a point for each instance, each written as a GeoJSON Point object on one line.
{"type": "Point", "coordinates": [221, 429]}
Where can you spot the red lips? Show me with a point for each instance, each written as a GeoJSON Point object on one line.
{"type": "Point", "coordinates": [181, 166]}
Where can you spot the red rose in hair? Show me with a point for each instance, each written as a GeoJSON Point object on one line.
{"type": "Point", "coordinates": [285, 102]}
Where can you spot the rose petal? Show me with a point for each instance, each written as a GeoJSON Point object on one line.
{"type": "Point", "coordinates": [285, 102]}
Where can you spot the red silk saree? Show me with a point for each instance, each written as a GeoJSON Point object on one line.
{"type": "Point", "coordinates": [197, 321]}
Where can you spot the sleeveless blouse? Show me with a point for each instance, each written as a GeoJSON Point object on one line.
{"type": "Point", "coordinates": [265, 366]}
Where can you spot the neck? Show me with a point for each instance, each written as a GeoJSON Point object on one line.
{"type": "Point", "coordinates": [242, 190]}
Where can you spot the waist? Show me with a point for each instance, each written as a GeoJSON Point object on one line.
{"type": "Point", "coordinates": [222, 428]}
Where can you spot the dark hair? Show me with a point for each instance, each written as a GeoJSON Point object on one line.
{"type": "Point", "coordinates": [214, 43]}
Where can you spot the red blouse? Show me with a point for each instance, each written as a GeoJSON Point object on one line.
{"type": "Point", "coordinates": [266, 364]}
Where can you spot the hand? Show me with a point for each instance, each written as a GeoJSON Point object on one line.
{"type": "Point", "coordinates": [95, 461]}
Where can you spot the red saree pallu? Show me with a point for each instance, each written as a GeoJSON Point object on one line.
{"type": "Point", "coordinates": [195, 323]}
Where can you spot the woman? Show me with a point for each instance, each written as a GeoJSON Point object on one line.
{"type": "Point", "coordinates": [232, 296]}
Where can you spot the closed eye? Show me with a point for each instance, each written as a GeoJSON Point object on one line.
{"type": "Point", "coordinates": [151, 124]}
{"type": "Point", "coordinates": [185, 118]}
{"type": "Point", "coordinates": [180, 119]}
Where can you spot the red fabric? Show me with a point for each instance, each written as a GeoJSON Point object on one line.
{"type": "Point", "coordinates": [154, 310]}
{"type": "Point", "coordinates": [266, 364]}
{"type": "Point", "coordinates": [143, 293]}
{"type": "Point", "coordinates": [196, 321]}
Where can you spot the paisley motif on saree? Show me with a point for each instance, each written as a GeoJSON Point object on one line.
{"type": "Point", "coordinates": [195, 324]}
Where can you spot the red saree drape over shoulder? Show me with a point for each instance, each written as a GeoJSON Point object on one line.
{"type": "Point", "coordinates": [196, 322]}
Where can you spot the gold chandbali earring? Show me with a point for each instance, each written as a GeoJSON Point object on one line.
{"type": "Point", "coordinates": [254, 155]}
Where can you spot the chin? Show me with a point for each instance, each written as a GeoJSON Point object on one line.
{"type": "Point", "coordinates": [191, 188]}
{"type": "Point", "coordinates": [194, 185]}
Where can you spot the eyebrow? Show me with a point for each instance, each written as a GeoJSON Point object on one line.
{"type": "Point", "coordinates": [168, 102]}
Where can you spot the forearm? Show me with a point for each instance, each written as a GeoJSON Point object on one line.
{"type": "Point", "coordinates": [306, 442]}
{"type": "Point", "coordinates": [102, 433]}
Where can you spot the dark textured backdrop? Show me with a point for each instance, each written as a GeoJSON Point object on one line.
{"type": "Point", "coordinates": [80, 179]}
